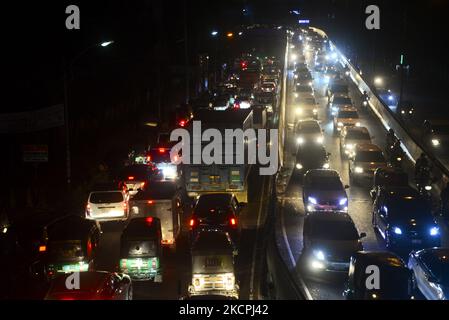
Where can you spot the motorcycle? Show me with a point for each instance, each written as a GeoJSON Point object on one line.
{"type": "Point", "coordinates": [423, 181]}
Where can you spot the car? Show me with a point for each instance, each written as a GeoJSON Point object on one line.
{"type": "Point", "coordinates": [352, 136]}
{"type": "Point", "coordinates": [268, 87]}
{"type": "Point", "coordinates": [216, 211]}
{"type": "Point", "coordinates": [337, 103]}
{"type": "Point", "coordinates": [306, 108]}
{"type": "Point", "coordinates": [388, 177]}
{"type": "Point", "coordinates": [395, 279]}
{"type": "Point", "coordinates": [304, 78]}
{"type": "Point", "coordinates": [136, 177]}
{"type": "Point", "coordinates": [93, 285]}
{"type": "Point", "coordinates": [160, 159]}
{"type": "Point", "coordinates": [323, 190]}
{"type": "Point", "coordinates": [337, 89]}
{"type": "Point", "coordinates": [312, 156]}
{"type": "Point", "coordinates": [404, 219]}
{"type": "Point", "coordinates": [366, 160]}
{"type": "Point", "coordinates": [330, 240]}
{"type": "Point", "coordinates": [221, 104]}
{"type": "Point", "coordinates": [309, 131]}
{"type": "Point", "coordinates": [430, 269]}
{"type": "Point", "coordinates": [436, 133]}
{"type": "Point", "coordinates": [107, 204]}
{"type": "Point", "coordinates": [346, 117]}
{"type": "Point", "coordinates": [303, 92]}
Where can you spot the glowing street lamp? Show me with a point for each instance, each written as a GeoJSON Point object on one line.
{"type": "Point", "coordinates": [378, 81]}
{"type": "Point", "coordinates": [230, 34]}
{"type": "Point", "coordinates": [214, 33]}
{"type": "Point", "coordinates": [106, 43]}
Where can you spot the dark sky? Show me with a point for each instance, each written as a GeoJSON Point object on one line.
{"type": "Point", "coordinates": [34, 37]}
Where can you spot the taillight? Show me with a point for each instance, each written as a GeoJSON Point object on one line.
{"type": "Point", "coordinates": [88, 209]}
{"type": "Point", "coordinates": [131, 178]}
{"type": "Point", "coordinates": [42, 248]}
{"type": "Point", "coordinates": [125, 207]}
{"type": "Point", "coordinates": [149, 220]}
{"type": "Point", "coordinates": [182, 123]}
{"type": "Point", "coordinates": [192, 222]}
{"type": "Point", "coordinates": [233, 222]}
{"type": "Point", "coordinates": [142, 185]}
{"type": "Point", "coordinates": [150, 201]}
{"type": "Point", "coordinates": [162, 150]}
{"type": "Point", "coordinates": [148, 158]}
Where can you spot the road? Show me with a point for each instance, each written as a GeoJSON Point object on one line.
{"type": "Point", "coordinates": [289, 225]}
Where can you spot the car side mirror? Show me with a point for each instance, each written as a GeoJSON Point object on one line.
{"type": "Point", "coordinates": [242, 205]}
{"type": "Point", "coordinates": [362, 235]}
{"type": "Point", "coordinates": [347, 186]}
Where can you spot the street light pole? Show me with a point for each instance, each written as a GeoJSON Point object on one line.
{"type": "Point", "coordinates": [67, 65]}
{"type": "Point", "coordinates": [186, 54]}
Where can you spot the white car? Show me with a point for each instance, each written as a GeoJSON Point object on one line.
{"type": "Point", "coordinates": [109, 205]}
{"type": "Point", "coordinates": [430, 269]}
{"type": "Point", "coordinates": [351, 137]}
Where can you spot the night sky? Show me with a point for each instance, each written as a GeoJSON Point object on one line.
{"type": "Point", "coordinates": [35, 40]}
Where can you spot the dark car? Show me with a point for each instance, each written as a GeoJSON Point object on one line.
{"type": "Point", "coordinates": [323, 190]}
{"type": "Point", "coordinates": [388, 177]}
{"type": "Point", "coordinates": [216, 212]}
{"type": "Point", "coordinates": [404, 219]}
{"type": "Point", "coordinates": [394, 278]}
{"type": "Point", "coordinates": [310, 157]}
{"type": "Point", "coordinates": [330, 239]}
{"type": "Point", "coordinates": [430, 269]}
{"type": "Point", "coordinates": [93, 285]}
{"type": "Point", "coordinates": [136, 177]}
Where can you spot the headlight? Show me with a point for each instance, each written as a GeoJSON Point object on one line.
{"type": "Point", "coordinates": [349, 146]}
{"type": "Point", "coordinates": [434, 231]}
{"type": "Point", "coordinates": [318, 254]}
{"type": "Point", "coordinates": [326, 166]}
{"type": "Point", "coordinates": [358, 170]}
{"type": "Point", "coordinates": [300, 140]}
{"type": "Point", "coordinates": [397, 230]}
{"type": "Point", "coordinates": [428, 188]}
{"type": "Point", "coordinates": [298, 111]}
{"type": "Point", "coordinates": [343, 201]}
{"type": "Point", "coordinates": [357, 124]}
{"type": "Point", "coordinates": [347, 73]}
{"type": "Point", "coordinates": [327, 79]}
{"type": "Point", "coordinates": [296, 76]}
{"type": "Point", "coordinates": [435, 142]}
{"type": "Point", "coordinates": [296, 95]}
{"type": "Point", "coordinates": [340, 124]}
{"type": "Point", "coordinates": [312, 200]}
{"type": "Point", "coordinates": [315, 111]}
{"type": "Point", "coordinates": [299, 166]}
{"type": "Point", "coordinates": [320, 140]}
{"type": "Point", "coordinates": [310, 83]}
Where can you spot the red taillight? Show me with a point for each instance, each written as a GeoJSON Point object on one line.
{"type": "Point", "coordinates": [192, 222]}
{"type": "Point", "coordinates": [149, 220]}
{"type": "Point", "coordinates": [89, 247]}
{"type": "Point", "coordinates": [142, 185]}
{"type": "Point", "coordinates": [182, 123]}
{"type": "Point", "coordinates": [162, 150]}
{"type": "Point", "coordinates": [150, 201]}
{"type": "Point", "coordinates": [125, 206]}
{"type": "Point", "coordinates": [233, 222]}
{"type": "Point", "coordinates": [42, 248]}
{"type": "Point", "coordinates": [148, 158]}
{"type": "Point", "coordinates": [131, 178]}
{"type": "Point", "coordinates": [236, 106]}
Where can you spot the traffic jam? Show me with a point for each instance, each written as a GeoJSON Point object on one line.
{"type": "Point", "coordinates": [352, 216]}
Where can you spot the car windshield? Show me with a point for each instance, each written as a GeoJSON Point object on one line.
{"type": "Point", "coordinates": [334, 230]}
{"type": "Point", "coordinates": [303, 89]}
{"type": "Point", "coordinates": [139, 172]}
{"type": "Point", "coordinates": [370, 156]}
{"type": "Point", "coordinates": [311, 154]}
{"type": "Point", "coordinates": [213, 202]}
{"type": "Point", "coordinates": [340, 88]}
{"type": "Point", "coordinates": [157, 191]}
{"type": "Point", "coordinates": [308, 129]}
{"type": "Point", "coordinates": [308, 101]}
{"type": "Point", "coordinates": [357, 135]}
{"type": "Point", "coordinates": [158, 155]}
{"type": "Point", "coordinates": [106, 197]}
{"type": "Point", "coordinates": [342, 101]}
{"type": "Point", "coordinates": [348, 115]}
{"type": "Point", "coordinates": [408, 207]}
{"type": "Point", "coordinates": [325, 183]}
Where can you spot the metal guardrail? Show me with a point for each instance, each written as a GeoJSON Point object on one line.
{"type": "Point", "coordinates": [410, 145]}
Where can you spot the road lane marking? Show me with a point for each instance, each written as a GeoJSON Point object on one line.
{"type": "Point", "coordinates": [292, 259]}
{"type": "Point", "coordinates": [253, 266]}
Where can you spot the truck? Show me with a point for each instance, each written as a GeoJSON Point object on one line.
{"type": "Point", "coordinates": [199, 178]}
{"type": "Point", "coordinates": [249, 79]}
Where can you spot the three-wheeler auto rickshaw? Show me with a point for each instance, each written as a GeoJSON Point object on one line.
{"type": "Point", "coordinates": [213, 270]}
{"type": "Point", "coordinates": [378, 276]}
{"type": "Point", "coordinates": [141, 249]}
{"type": "Point", "coordinates": [72, 245]}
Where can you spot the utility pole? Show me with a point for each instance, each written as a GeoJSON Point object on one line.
{"type": "Point", "coordinates": [186, 54]}
{"type": "Point", "coordinates": [402, 68]}
{"type": "Point", "coordinates": [66, 125]}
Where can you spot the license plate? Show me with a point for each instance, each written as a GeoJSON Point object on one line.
{"type": "Point", "coordinates": [416, 241]}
